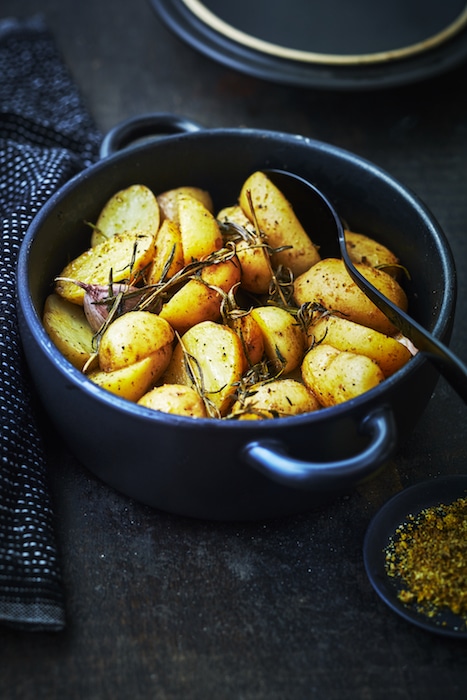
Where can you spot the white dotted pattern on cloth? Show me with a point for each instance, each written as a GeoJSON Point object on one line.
{"type": "Point", "coordinates": [46, 137]}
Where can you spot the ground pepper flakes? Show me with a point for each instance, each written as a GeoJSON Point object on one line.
{"type": "Point", "coordinates": [428, 554]}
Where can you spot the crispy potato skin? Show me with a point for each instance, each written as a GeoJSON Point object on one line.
{"type": "Point", "coordinates": [135, 336]}
{"type": "Point", "coordinates": [69, 330]}
{"type": "Point", "coordinates": [199, 229]}
{"type": "Point", "coordinates": [282, 397]}
{"type": "Point", "coordinates": [132, 209]}
{"type": "Point", "coordinates": [216, 360]}
{"type": "Point", "coordinates": [178, 399]}
{"type": "Point", "coordinates": [279, 223]}
{"type": "Point", "coordinates": [284, 341]}
{"type": "Point", "coordinates": [168, 201]}
{"type": "Point", "coordinates": [251, 337]}
{"type": "Point", "coordinates": [328, 283]}
{"type": "Point", "coordinates": [130, 382]}
{"type": "Point", "coordinates": [199, 299]}
{"type": "Point", "coordinates": [347, 335]}
{"type": "Point", "coordinates": [121, 258]}
{"type": "Point", "coordinates": [253, 255]}
{"type": "Point", "coordinates": [335, 376]}
{"type": "Point", "coordinates": [365, 250]}
{"type": "Point", "coordinates": [168, 247]}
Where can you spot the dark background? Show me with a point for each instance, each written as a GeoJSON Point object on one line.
{"type": "Point", "coordinates": [164, 607]}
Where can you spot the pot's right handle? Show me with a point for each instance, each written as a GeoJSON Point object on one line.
{"type": "Point", "coordinates": [270, 458]}
{"type": "Point", "coordinates": [142, 126]}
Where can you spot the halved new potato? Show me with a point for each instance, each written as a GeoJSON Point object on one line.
{"type": "Point", "coordinates": [168, 253]}
{"type": "Point", "coordinates": [275, 399]}
{"type": "Point", "coordinates": [168, 200]}
{"type": "Point", "coordinates": [284, 340]}
{"type": "Point", "coordinates": [120, 258]}
{"type": "Point", "coordinates": [133, 337]}
{"type": "Point", "coordinates": [347, 335]}
{"type": "Point", "coordinates": [200, 298]}
{"type": "Point", "coordinates": [329, 284]}
{"type": "Point", "coordinates": [69, 330]}
{"type": "Point", "coordinates": [364, 249]}
{"type": "Point", "coordinates": [252, 251]}
{"type": "Point", "coordinates": [132, 209]}
{"type": "Point", "coordinates": [199, 229]}
{"type": "Point", "coordinates": [209, 358]}
{"type": "Point", "coordinates": [179, 399]}
{"type": "Point", "coordinates": [335, 376]}
{"type": "Point", "coordinates": [277, 220]}
{"type": "Point", "coordinates": [130, 382]}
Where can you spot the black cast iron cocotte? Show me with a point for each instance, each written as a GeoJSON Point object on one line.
{"type": "Point", "coordinates": [217, 469]}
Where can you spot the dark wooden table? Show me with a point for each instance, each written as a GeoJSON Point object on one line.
{"type": "Point", "coordinates": [164, 607]}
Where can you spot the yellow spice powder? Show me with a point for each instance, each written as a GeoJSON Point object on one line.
{"type": "Point", "coordinates": [428, 553]}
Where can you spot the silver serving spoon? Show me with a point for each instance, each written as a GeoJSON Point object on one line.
{"type": "Point", "coordinates": [299, 191]}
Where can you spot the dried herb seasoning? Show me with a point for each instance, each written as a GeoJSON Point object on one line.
{"type": "Point", "coordinates": [428, 556]}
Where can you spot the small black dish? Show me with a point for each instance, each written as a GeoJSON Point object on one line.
{"type": "Point", "coordinates": [383, 526]}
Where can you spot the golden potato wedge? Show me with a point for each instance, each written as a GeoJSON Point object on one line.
{"type": "Point", "coordinates": [328, 283]}
{"type": "Point", "coordinates": [284, 340]}
{"type": "Point", "coordinates": [347, 335]}
{"type": "Point", "coordinates": [179, 399]}
{"type": "Point", "coordinates": [130, 382]}
{"type": "Point", "coordinates": [132, 209]}
{"type": "Point", "coordinates": [278, 221]}
{"type": "Point", "coordinates": [199, 229]}
{"type": "Point", "coordinates": [198, 300]}
{"type": "Point", "coordinates": [168, 255]}
{"type": "Point", "coordinates": [134, 336]}
{"type": "Point", "coordinates": [281, 397]}
{"type": "Point", "coordinates": [251, 252]}
{"type": "Point", "coordinates": [209, 358]}
{"type": "Point", "coordinates": [69, 330]}
{"type": "Point", "coordinates": [168, 200]}
{"type": "Point", "coordinates": [121, 258]}
{"type": "Point", "coordinates": [251, 336]}
{"type": "Point", "coordinates": [335, 376]}
{"type": "Point", "coordinates": [191, 304]}
{"type": "Point", "coordinates": [364, 249]}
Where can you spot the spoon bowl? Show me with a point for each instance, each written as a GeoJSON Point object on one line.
{"type": "Point", "coordinates": [318, 215]}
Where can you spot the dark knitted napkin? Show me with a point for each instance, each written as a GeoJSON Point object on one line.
{"type": "Point", "coordinates": [46, 137]}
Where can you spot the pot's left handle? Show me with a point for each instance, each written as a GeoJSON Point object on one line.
{"type": "Point", "coordinates": [143, 126]}
{"type": "Point", "coordinates": [270, 457]}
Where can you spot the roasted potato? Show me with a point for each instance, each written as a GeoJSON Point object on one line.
{"type": "Point", "coordinates": [252, 252]}
{"type": "Point", "coordinates": [69, 330]}
{"type": "Point", "coordinates": [199, 229]}
{"type": "Point", "coordinates": [179, 399]}
{"type": "Point", "coordinates": [168, 253]}
{"type": "Point", "coordinates": [180, 307]}
{"type": "Point", "coordinates": [209, 357]}
{"type": "Point", "coordinates": [347, 335]}
{"type": "Point", "coordinates": [251, 336]}
{"type": "Point", "coordinates": [329, 284]}
{"type": "Point", "coordinates": [335, 376]}
{"type": "Point", "coordinates": [168, 201]}
{"type": "Point", "coordinates": [132, 209]}
{"type": "Point", "coordinates": [284, 340]}
{"type": "Point", "coordinates": [133, 337]}
{"type": "Point", "coordinates": [130, 382]}
{"type": "Point", "coordinates": [364, 249]}
{"type": "Point", "coordinates": [120, 258]}
{"type": "Point", "coordinates": [277, 220]}
{"type": "Point", "coordinates": [274, 399]}
{"type": "Point", "coordinates": [200, 298]}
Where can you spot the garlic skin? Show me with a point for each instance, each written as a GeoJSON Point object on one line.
{"type": "Point", "coordinates": [99, 300]}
